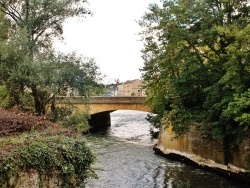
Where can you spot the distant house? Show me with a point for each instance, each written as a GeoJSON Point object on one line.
{"type": "Point", "coordinates": [110, 90]}
{"type": "Point", "coordinates": [131, 88]}
{"type": "Point", "coordinates": [72, 92]}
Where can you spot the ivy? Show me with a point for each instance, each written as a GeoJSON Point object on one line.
{"type": "Point", "coordinates": [67, 157]}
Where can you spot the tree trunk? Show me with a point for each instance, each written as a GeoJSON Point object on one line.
{"type": "Point", "coordinates": [38, 104]}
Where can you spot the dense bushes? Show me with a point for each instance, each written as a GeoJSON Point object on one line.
{"type": "Point", "coordinates": [77, 121]}
{"type": "Point", "coordinates": [32, 143]}
{"type": "Point", "coordinates": [67, 158]}
{"type": "Point", "coordinates": [16, 122]}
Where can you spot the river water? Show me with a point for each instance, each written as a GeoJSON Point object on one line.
{"type": "Point", "coordinates": [125, 159]}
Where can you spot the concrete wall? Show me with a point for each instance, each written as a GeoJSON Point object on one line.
{"type": "Point", "coordinates": [204, 153]}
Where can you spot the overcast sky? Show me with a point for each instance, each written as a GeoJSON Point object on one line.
{"type": "Point", "coordinates": [109, 36]}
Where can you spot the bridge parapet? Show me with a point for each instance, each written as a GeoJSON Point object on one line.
{"type": "Point", "coordinates": [105, 104]}
{"type": "Point", "coordinates": [102, 100]}
{"type": "Point", "coordinates": [117, 100]}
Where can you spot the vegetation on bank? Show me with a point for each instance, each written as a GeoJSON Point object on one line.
{"type": "Point", "coordinates": [197, 70]}
{"type": "Point", "coordinates": [66, 159]}
{"type": "Point", "coordinates": [32, 75]}
{"type": "Point", "coordinates": [33, 144]}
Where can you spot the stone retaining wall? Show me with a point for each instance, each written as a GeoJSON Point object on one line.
{"type": "Point", "coordinates": [204, 153]}
{"type": "Point", "coordinates": [31, 179]}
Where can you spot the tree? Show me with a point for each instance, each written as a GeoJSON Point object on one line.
{"type": "Point", "coordinates": [78, 72]}
{"type": "Point", "coordinates": [196, 57]}
{"type": "Point", "coordinates": [34, 24]}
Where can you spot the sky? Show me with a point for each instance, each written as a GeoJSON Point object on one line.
{"type": "Point", "coordinates": [110, 36]}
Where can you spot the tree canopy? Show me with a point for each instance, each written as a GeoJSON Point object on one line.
{"type": "Point", "coordinates": [29, 64]}
{"type": "Point", "coordinates": [197, 67]}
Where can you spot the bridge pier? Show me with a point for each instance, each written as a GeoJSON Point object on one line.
{"type": "Point", "coordinates": [100, 121]}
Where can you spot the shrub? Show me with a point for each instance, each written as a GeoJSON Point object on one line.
{"type": "Point", "coordinates": [3, 97]}
{"type": "Point", "coordinates": [15, 122]}
{"type": "Point", "coordinates": [77, 121]}
{"type": "Point", "coordinates": [69, 158]}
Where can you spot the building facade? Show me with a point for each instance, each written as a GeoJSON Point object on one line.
{"type": "Point", "coordinates": [131, 88]}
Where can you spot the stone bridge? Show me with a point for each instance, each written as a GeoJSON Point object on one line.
{"type": "Point", "coordinates": [100, 107]}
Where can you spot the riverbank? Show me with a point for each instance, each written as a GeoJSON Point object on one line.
{"type": "Point", "coordinates": [242, 177]}
{"type": "Point", "coordinates": [37, 153]}
{"type": "Point", "coordinates": [192, 149]}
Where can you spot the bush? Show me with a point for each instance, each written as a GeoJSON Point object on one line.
{"type": "Point", "coordinates": [69, 158]}
{"type": "Point", "coordinates": [15, 122]}
{"type": "Point", "coordinates": [3, 97]}
{"type": "Point", "coordinates": [77, 121]}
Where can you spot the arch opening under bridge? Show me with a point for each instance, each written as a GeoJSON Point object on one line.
{"type": "Point", "coordinates": [101, 107]}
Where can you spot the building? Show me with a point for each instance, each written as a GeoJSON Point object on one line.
{"type": "Point", "coordinates": [72, 92]}
{"type": "Point", "coordinates": [131, 88]}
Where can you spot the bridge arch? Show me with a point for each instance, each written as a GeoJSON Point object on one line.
{"type": "Point", "coordinates": [101, 107]}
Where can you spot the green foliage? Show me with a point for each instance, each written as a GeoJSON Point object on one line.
{"type": "Point", "coordinates": [96, 90]}
{"type": "Point", "coordinates": [238, 111]}
{"type": "Point", "coordinates": [3, 96]}
{"type": "Point", "coordinates": [155, 122]}
{"type": "Point", "coordinates": [78, 72]}
{"type": "Point", "coordinates": [77, 121]}
{"type": "Point", "coordinates": [180, 119]}
{"type": "Point", "coordinates": [4, 23]}
{"type": "Point", "coordinates": [28, 63]}
{"type": "Point", "coordinates": [69, 158]}
{"type": "Point", "coordinates": [59, 113]}
{"type": "Point", "coordinates": [196, 66]}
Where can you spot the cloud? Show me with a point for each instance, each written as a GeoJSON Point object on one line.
{"type": "Point", "coordinates": [109, 36]}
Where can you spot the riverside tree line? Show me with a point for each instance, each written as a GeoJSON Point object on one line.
{"type": "Point", "coordinates": [196, 71]}
{"type": "Point", "coordinates": [32, 74]}
{"type": "Point", "coordinates": [197, 67]}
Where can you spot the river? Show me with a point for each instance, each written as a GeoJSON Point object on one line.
{"type": "Point", "coordinates": [125, 159]}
